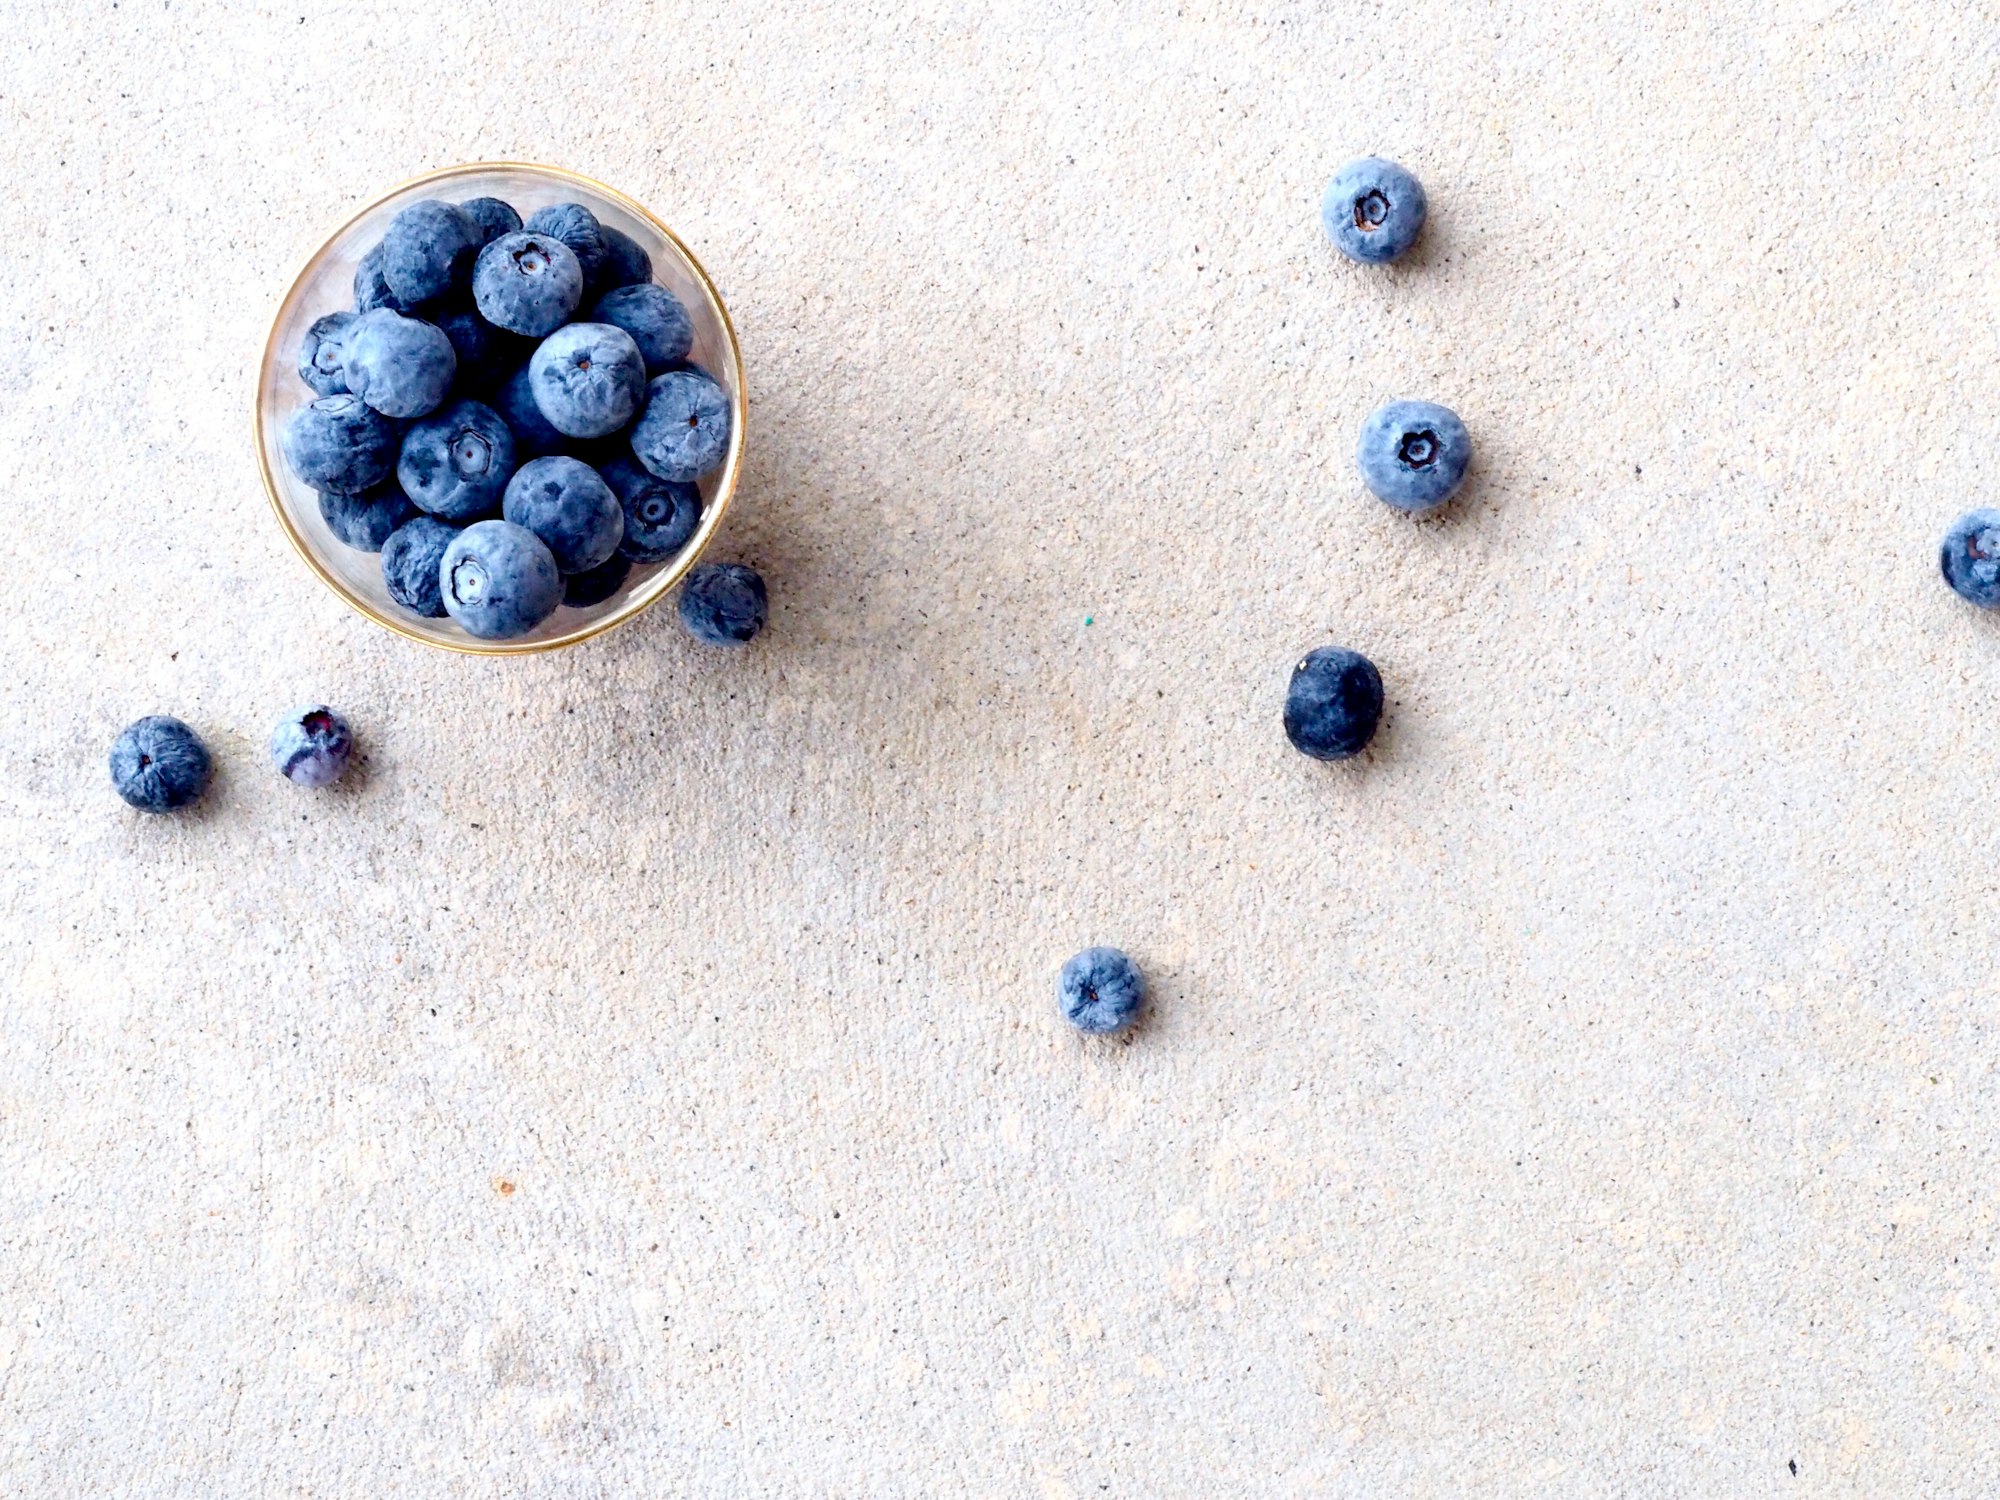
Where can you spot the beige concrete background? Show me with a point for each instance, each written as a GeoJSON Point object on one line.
{"type": "Point", "coordinates": [644, 1080]}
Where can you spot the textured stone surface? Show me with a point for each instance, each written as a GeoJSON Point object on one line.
{"type": "Point", "coordinates": [645, 1078]}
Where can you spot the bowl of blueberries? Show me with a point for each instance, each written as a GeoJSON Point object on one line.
{"type": "Point", "coordinates": [501, 409]}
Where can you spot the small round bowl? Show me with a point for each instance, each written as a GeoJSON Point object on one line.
{"type": "Point", "coordinates": [327, 285]}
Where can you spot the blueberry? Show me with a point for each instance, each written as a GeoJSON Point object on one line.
{"type": "Point", "coordinates": [654, 317]}
{"type": "Point", "coordinates": [723, 604]}
{"type": "Point", "coordinates": [1101, 991]}
{"type": "Point", "coordinates": [1333, 704]}
{"type": "Point", "coordinates": [312, 746]}
{"type": "Point", "coordinates": [527, 283]}
{"type": "Point", "coordinates": [661, 515]}
{"type": "Point", "coordinates": [320, 354]}
{"type": "Point", "coordinates": [1970, 557]}
{"type": "Point", "coordinates": [410, 560]}
{"type": "Point", "coordinates": [400, 366]}
{"type": "Point", "coordinates": [515, 400]}
{"type": "Point", "coordinates": [371, 290]}
{"type": "Point", "coordinates": [569, 507]}
{"type": "Point", "coordinates": [428, 250]}
{"type": "Point", "coordinates": [340, 443]}
{"type": "Point", "coordinates": [581, 590]}
{"type": "Point", "coordinates": [626, 262]}
{"type": "Point", "coordinates": [577, 227]}
{"type": "Point", "coordinates": [1412, 454]}
{"type": "Point", "coordinates": [365, 521]}
{"type": "Point", "coordinates": [1373, 210]}
{"type": "Point", "coordinates": [683, 432]}
{"type": "Point", "coordinates": [498, 580]}
{"type": "Point", "coordinates": [484, 353]}
{"type": "Point", "coordinates": [491, 217]}
{"type": "Point", "coordinates": [587, 379]}
{"type": "Point", "coordinates": [159, 764]}
{"type": "Point", "coordinates": [456, 463]}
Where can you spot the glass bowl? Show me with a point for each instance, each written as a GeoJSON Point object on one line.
{"type": "Point", "coordinates": [327, 285]}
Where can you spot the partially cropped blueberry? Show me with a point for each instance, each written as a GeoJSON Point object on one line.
{"type": "Point", "coordinates": [1101, 991]}
{"type": "Point", "coordinates": [499, 580]}
{"type": "Point", "coordinates": [483, 353]}
{"type": "Point", "coordinates": [654, 317]}
{"type": "Point", "coordinates": [1333, 704]}
{"type": "Point", "coordinates": [595, 585]}
{"type": "Point", "coordinates": [626, 262]}
{"type": "Point", "coordinates": [371, 287]}
{"type": "Point", "coordinates": [159, 764]}
{"type": "Point", "coordinates": [312, 746]}
{"type": "Point", "coordinates": [1412, 454]}
{"type": "Point", "coordinates": [577, 227]}
{"type": "Point", "coordinates": [661, 515]}
{"type": "Point", "coordinates": [724, 604]}
{"type": "Point", "coordinates": [1373, 210]}
{"type": "Point", "coordinates": [683, 432]}
{"type": "Point", "coordinates": [365, 521]}
{"type": "Point", "coordinates": [492, 217]}
{"type": "Point", "coordinates": [427, 250]}
{"type": "Point", "coordinates": [570, 507]}
{"type": "Point", "coordinates": [1970, 557]}
{"type": "Point", "coordinates": [340, 443]}
{"type": "Point", "coordinates": [400, 366]}
{"type": "Point", "coordinates": [456, 462]}
{"type": "Point", "coordinates": [410, 559]}
{"type": "Point", "coordinates": [588, 379]}
{"type": "Point", "coordinates": [320, 354]}
{"type": "Point", "coordinates": [514, 399]}
{"type": "Point", "coordinates": [527, 283]}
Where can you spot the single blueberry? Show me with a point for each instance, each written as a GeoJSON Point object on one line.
{"type": "Point", "coordinates": [514, 399]}
{"type": "Point", "coordinates": [498, 580]}
{"type": "Point", "coordinates": [626, 262]}
{"type": "Point", "coordinates": [527, 283]}
{"type": "Point", "coordinates": [1333, 704]}
{"type": "Point", "coordinates": [654, 317]}
{"type": "Point", "coordinates": [1373, 210]}
{"type": "Point", "coordinates": [483, 353]}
{"type": "Point", "coordinates": [340, 443]}
{"type": "Point", "coordinates": [410, 560]}
{"type": "Point", "coordinates": [365, 521]}
{"type": "Point", "coordinates": [312, 746]}
{"type": "Point", "coordinates": [456, 463]}
{"type": "Point", "coordinates": [577, 227]}
{"type": "Point", "coordinates": [320, 354]}
{"type": "Point", "coordinates": [724, 604]}
{"type": "Point", "coordinates": [683, 432]}
{"type": "Point", "coordinates": [1412, 454]}
{"type": "Point", "coordinates": [400, 366]}
{"type": "Point", "coordinates": [587, 379]}
{"type": "Point", "coordinates": [371, 288]}
{"type": "Point", "coordinates": [428, 250]}
{"type": "Point", "coordinates": [661, 515]}
{"type": "Point", "coordinates": [1101, 991]}
{"type": "Point", "coordinates": [159, 764]}
{"type": "Point", "coordinates": [581, 590]}
{"type": "Point", "coordinates": [570, 507]}
{"type": "Point", "coordinates": [492, 217]}
{"type": "Point", "coordinates": [1970, 557]}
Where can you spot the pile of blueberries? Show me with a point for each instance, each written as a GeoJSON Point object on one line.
{"type": "Point", "coordinates": [509, 417]}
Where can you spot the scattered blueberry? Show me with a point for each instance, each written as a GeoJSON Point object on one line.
{"type": "Point", "coordinates": [428, 250]}
{"type": "Point", "coordinates": [365, 521]}
{"type": "Point", "coordinates": [569, 507]}
{"type": "Point", "coordinates": [1412, 454]}
{"type": "Point", "coordinates": [684, 430]}
{"type": "Point", "coordinates": [340, 443]}
{"type": "Point", "coordinates": [626, 262]}
{"type": "Point", "coordinates": [1970, 557]}
{"type": "Point", "coordinates": [1101, 991]}
{"type": "Point", "coordinates": [595, 585]}
{"type": "Point", "coordinates": [400, 366]}
{"type": "Point", "coordinates": [159, 764]}
{"type": "Point", "coordinates": [491, 217]}
{"type": "Point", "coordinates": [456, 463]}
{"type": "Point", "coordinates": [1373, 210]}
{"type": "Point", "coordinates": [312, 746]}
{"type": "Point", "coordinates": [410, 559]}
{"type": "Point", "coordinates": [499, 580]}
{"type": "Point", "coordinates": [723, 604]}
{"type": "Point", "coordinates": [661, 515]}
{"type": "Point", "coordinates": [654, 317]}
{"type": "Point", "coordinates": [527, 283]}
{"type": "Point", "coordinates": [577, 227]}
{"type": "Point", "coordinates": [515, 400]}
{"type": "Point", "coordinates": [1333, 704]}
{"type": "Point", "coordinates": [320, 354]}
{"type": "Point", "coordinates": [587, 379]}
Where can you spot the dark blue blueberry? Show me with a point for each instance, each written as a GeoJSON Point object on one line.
{"type": "Point", "coordinates": [159, 764]}
{"type": "Point", "coordinates": [654, 317]}
{"type": "Point", "coordinates": [484, 353]}
{"type": "Point", "coordinates": [410, 564]}
{"type": "Point", "coordinates": [577, 227]}
{"type": "Point", "coordinates": [499, 580]}
{"type": "Point", "coordinates": [581, 590]}
{"type": "Point", "coordinates": [661, 515]}
{"type": "Point", "coordinates": [428, 250]}
{"type": "Point", "coordinates": [724, 604]}
{"type": "Point", "coordinates": [1373, 210]}
{"type": "Point", "coordinates": [371, 290]}
{"type": "Point", "coordinates": [527, 283]}
{"type": "Point", "coordinates": [1333, 704]}
{"type": "Point", "coordinates": [1101, 991]}
{"type": "Point", "coordinates": [312, 746]}
{"type": "Point", "coordinates": [320, 354]}
{"type": "Point", "coordinates": [492, 217]}
{"type": "Point", "coordinates": [1412, 454]}
{"type": "Point", "coordinates": [456, 463]}
{"type": "Point", "coordinates": [1970, 557]}
{"type": "Point", "coordinates": [626, 262]}
{"type": "Point", "coordinates": [684, 430]}
{"type": "Point", "coordinates": [340, 443]}
{"type": "Point", "coordinates": [365, 521]}
{"type": "Point", "coordinates": [515, 400]}
{"type": "Point", "coordinates": [400, 366]}
{"type": "Point", "coordinates": [587, 379]}
{"type": "Point", "coordinates": [569, 507]}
